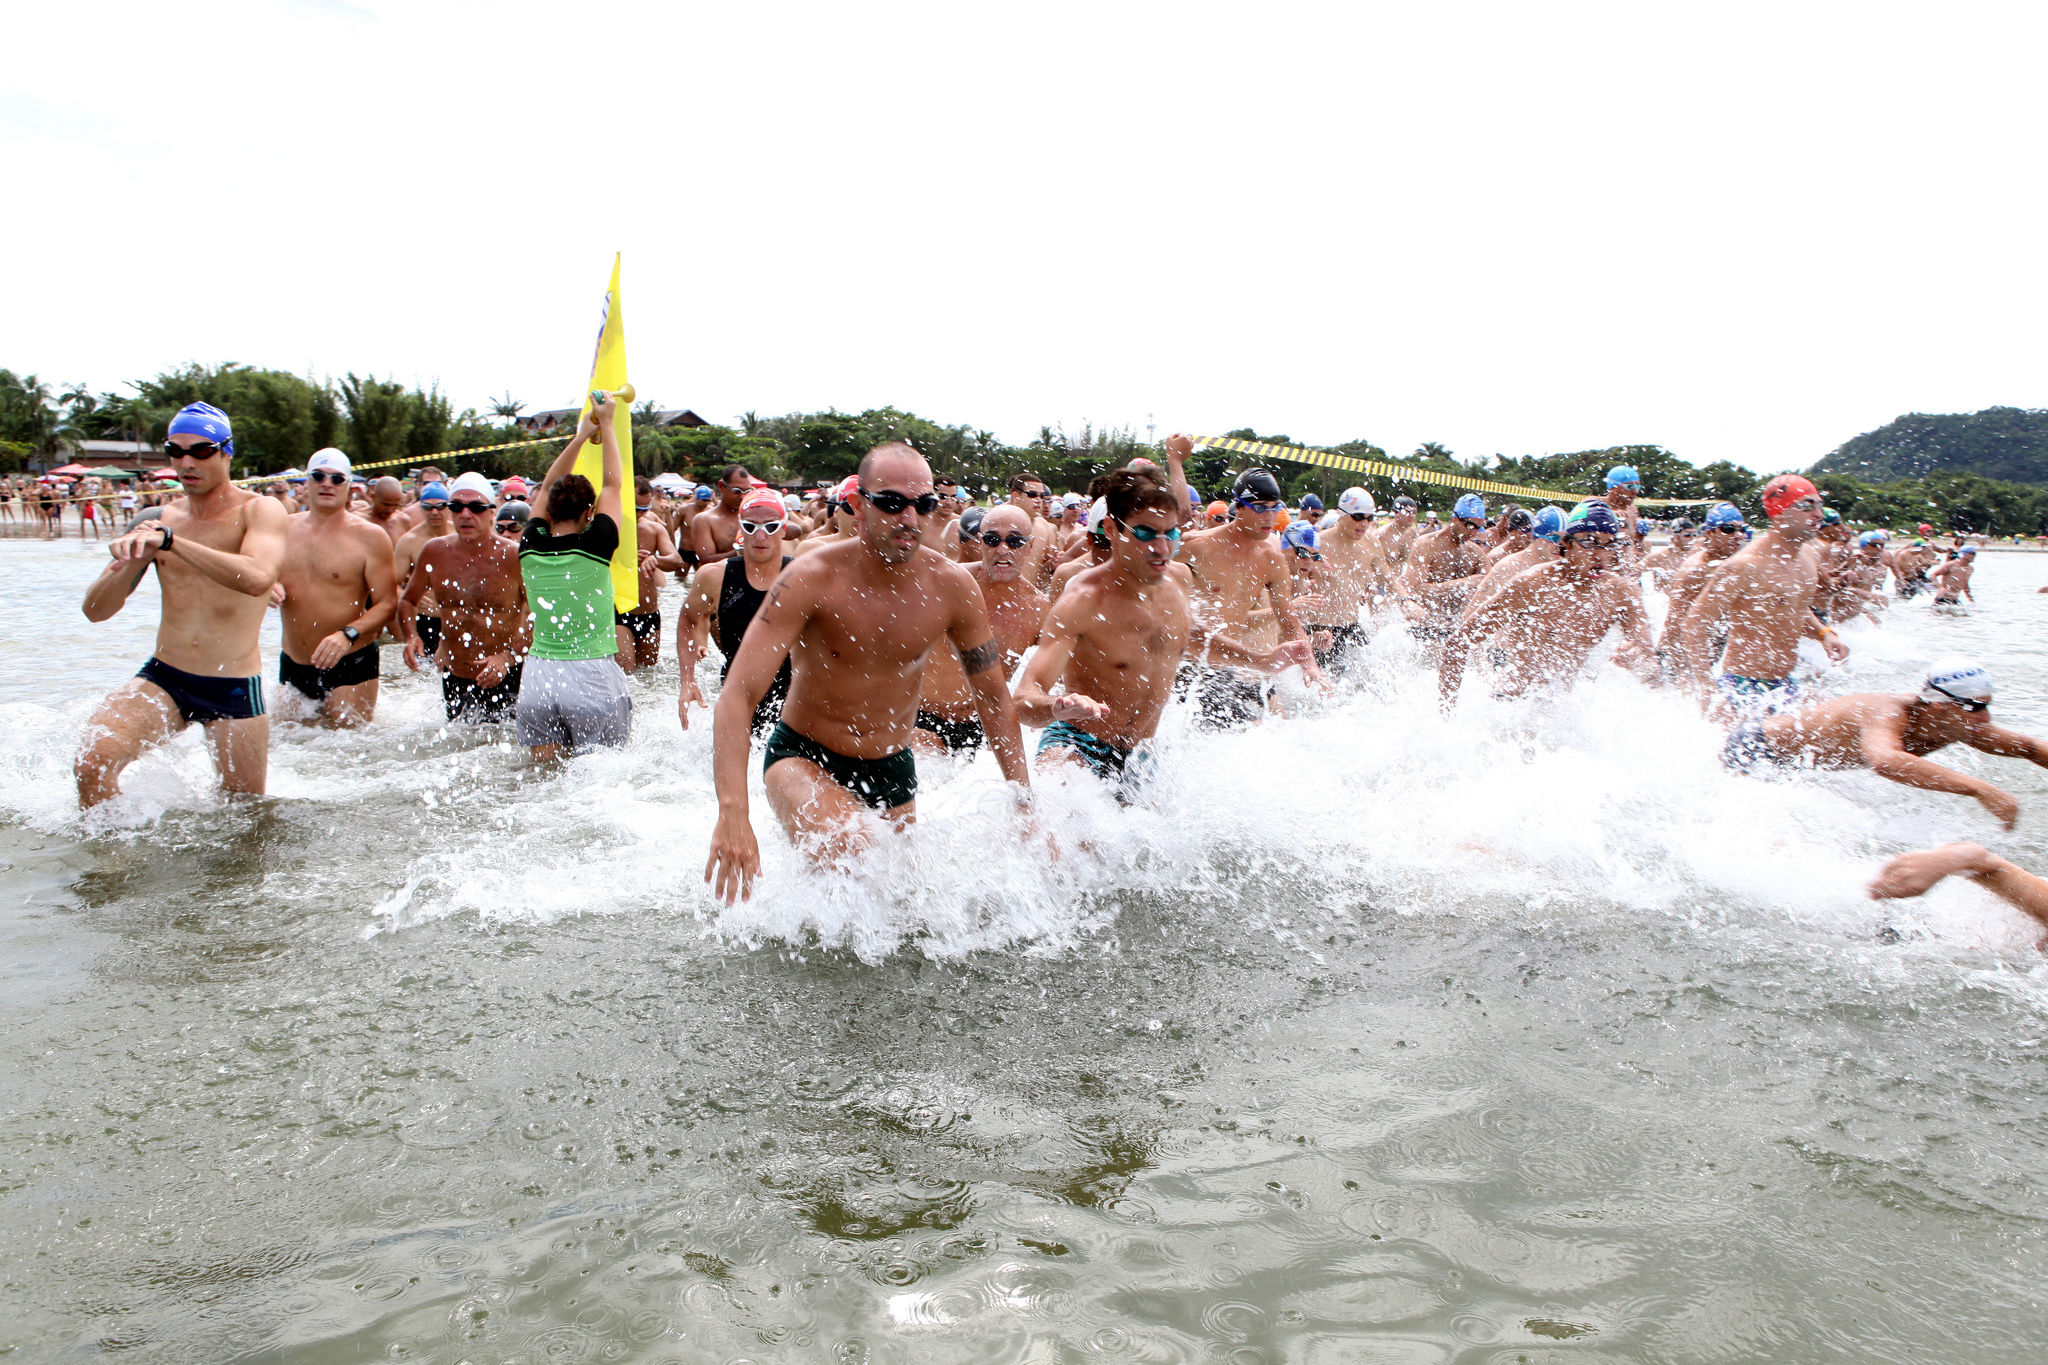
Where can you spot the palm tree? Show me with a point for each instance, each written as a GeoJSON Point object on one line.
{"type": "Point", "coordinates": [506, 407]}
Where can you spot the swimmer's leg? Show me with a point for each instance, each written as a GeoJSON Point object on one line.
{"type": "Point", "coordinates": [821, 817]}
{"type": "Point", "coordinates": [928, 745]}
{"type": "Point", "coordinates": [629, 653]}
{"type": "Point", "coordinates": [135, 718]}
{"type": "Point", "coordinates": [348, 707]}
{"type": "Point", "coordinates": [241, 753]}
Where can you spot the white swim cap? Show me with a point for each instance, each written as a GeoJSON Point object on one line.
{"type": "Point", "coordinates": [1956, 680]}
{"type": "Point", "coordinates": [1329, 520]}
{"type": "Point", "coordinates": [473, 482]}
{"type": "Point", "coordinates": [1352, 501]}
{"type": "Point", "coordinates": [329, 458]}
{"type": "Point", "coordinates": [1097, 514]}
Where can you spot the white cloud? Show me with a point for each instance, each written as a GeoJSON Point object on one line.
{"type": "Point", "coordinates": [1745, 232]}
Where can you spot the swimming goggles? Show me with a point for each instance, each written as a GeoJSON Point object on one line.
{"type": "Point", "coordinates": [198, 450]}
{"type": "Point", "coordinates": [773, 528]}
{"type": "Point", "coordinates": [1273, 506]}
{"type": "Point", "coordinates": [475, 509]}
{"type": "Point", "coordinates": [892, 502]}
{"type": "Point", "coordinates": [333, 476]}
{"type": "Point", "coordinates": [1013, 540]}
{"type": "Point", "coordinates": [1967, 703]}
{"type": "Point", "coordinates": [1145, 535]}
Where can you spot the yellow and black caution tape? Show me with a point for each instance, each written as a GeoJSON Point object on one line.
{"type": "Point", "coordinates": [1352, 464]}
{"type": "Point", "coordinates": [429, 459]}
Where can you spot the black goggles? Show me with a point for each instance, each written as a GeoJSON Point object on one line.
{"type": "Point", "coordinates": [1967, 703]}
{"type": "Point", "coordinates": [475, 509]}
{"type": "Point", "coordinates": [200, 450]}
{"type": "Point", "coordinates": [334, 476]}
{"type": "Point", "coordinates": [892, 502]}
{"type": "Point", "coordinates": [1013, 539]}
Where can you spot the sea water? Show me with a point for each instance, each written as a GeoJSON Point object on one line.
{"type": "Point", "coordinates": [1370, 1035]}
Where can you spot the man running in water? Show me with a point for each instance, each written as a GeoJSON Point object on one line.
{"type": "Point", "coordinates": [1766, 595]}
{"type": "Point", "coordinates": [1892, 735]}
{"type": "Point", "coordinates": [1443, 567]}
{"type": "Point", "coordinates": [1952, 578]}
{"type": "Point", "coordinates": [1910, 566]}
{"type": "Point", "coordinates": [1354, 578]}
{"type": "Point", "coordinates": [485, 629]}
{"type": "Point", "coordinates": [862, 617]}
{"type": "Point", "coordinates": [573, 695]}
{"type": "Point", "coordinates": [639, 630]}
{"type": "Point", "coordinates": [716, 526]}
{"type": "Point", "coordinates": [1030, 495]}
{"type": "Point", "coordinates": [388, 511]}
{"type": "Point", "coordinates": [724, 597]}
{"type": "Point", "coordinates": [335, 590]}
{"type": "Point", "coordinates": [1116, 639]}
{"type": "Point", "coordinates": [946, 716]}
{"type": "Point", "coordinates": [1397, 538]}
{"type": "Point", "coordinates": [1725, 534]}
{"type": "Point", "coordinates": [216, 555]}
{"type": "Point", "coordinates": [1662, 563]}
{"type": "Point", "coordinates": [1234, 566]}
{"type": "Point", "coordinates": [1545, 622]}
{"type": "Point", "coordinates": [1546, 536]}
{"type": "Point", "coordinates": [435, 522]}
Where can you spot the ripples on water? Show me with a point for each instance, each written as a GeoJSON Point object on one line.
{"type": "Point", "coordinates": [1526, 1036]}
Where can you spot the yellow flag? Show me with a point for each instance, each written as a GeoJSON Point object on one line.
{"type": "Point", "coordinates": [608, 372]}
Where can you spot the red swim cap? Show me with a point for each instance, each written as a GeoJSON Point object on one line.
{"type": "Point", "coordinates": [1785, 490]}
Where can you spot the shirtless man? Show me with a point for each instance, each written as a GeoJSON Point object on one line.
{"type": "Point", "coordinates": [725, 597]}
{"type": "Point", "coordinates": [1442, 568]}
{"type": "Point", "coordinates": [717, 525]}
{"type": "Point", "coordinates": [1546, 621]}
{"type": "Point", "coordinates": [216, 554]}
{"type": "Point", "coordinates": [1116, 639]}
{"type": "Point", "coordinates": [841, 524]}
{"type": "Point", "coordinates": [639, 630]}
{"type": "Point", "coordinates": [1624, 486]}
{"type": "Point", "coordinates": [1835, 599]}
{"type": "Point", "coordinates": [1892, 735]}
{"type": "Point", "coordinates": [1355, 577]}
{"type": "Point", "coordinates": [1664, 562]}
{"type": "Point", "coordinates": [436, 521]}
{"type": "Point", "coordinates": [1952, 578]}
{"type": "Point", "coordinates": [862, 617]}
{"type": "Point", "coordinates": [1030, 495]}
{"type": "Point", "coordinates": [388, 510]}
{"type": "Point", "coordinates": [939, 525]}
{"type": "Point", "coordinates": [1722, 538]}
{"type": "Point", "coordinates": [485, 628]}
{"type": "Point", "coordinates": [1237, 569]}
{"type": "Point", "coordinates": [1766, 595]}
{"type": "Point", "coordinates": [946, 717]}
{"type": "Point", "coordinates": [1546, 537]}
{"type": "Point", "coordinates": [1511, 534]}
{"type": "Point", "coordinates": [1870, 564]}
{"type": "Point", "coordinates": [1910, 566]}
{"type": "Point", "coordinates": [1400, 533]}
{"type": "Point", "coordinates": [336, 589]}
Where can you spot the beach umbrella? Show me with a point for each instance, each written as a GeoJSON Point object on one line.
{"type": "Point", "coordinates": [71, 469]}
{"type": "Point", "coordinates": [112, 473]}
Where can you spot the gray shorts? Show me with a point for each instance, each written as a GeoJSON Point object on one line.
{"type": "Point", "coordinates": [575, 703]}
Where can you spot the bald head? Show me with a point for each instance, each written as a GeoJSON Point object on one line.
{"type": "Point", "coordinates": [1007, 518]}
{"type": "Point", "coordinates": [387, 495]}
{"type": "Point", "coordinates": [899, 460]}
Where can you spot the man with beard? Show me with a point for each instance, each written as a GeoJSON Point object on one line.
{"type": "Point", "coordinates": [1115, 640]}
{"type": "Point", "coordinates": [335, 590]}
{"type": "Point", "coordinates": [862, 617]}
{"type": "Point", "coordinates": [1766, 595]}
{"type": "Point", "coordinates": [1544, 623]}
{"type": "Point", "coordinates": [485, 628]}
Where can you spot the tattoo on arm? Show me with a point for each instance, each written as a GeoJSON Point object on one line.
{"type": "Point", "coordinates": [982, 657]}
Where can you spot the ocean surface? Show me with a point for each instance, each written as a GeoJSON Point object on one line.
{"type": "Point", "coordinates": [1371, 1037]}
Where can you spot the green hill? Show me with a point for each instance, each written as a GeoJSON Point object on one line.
{"type": "Point", "coordinates": [1996, 443]}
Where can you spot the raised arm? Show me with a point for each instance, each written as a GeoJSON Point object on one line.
{"type": "Point", "coordinates": [1178, 448]}
{"type": "Point", "coordinates": [132, 556]}
{"type": "Point", "coordinates": [664, 554]}
{"type": "Point", "coordinates": [735, 855]}
{"type": "Point", "coordinates": [565, 463]}
{"type": "Point", "coordinates": [1913, 874]}
{"type": "Point", "coordinates": [610, 498]}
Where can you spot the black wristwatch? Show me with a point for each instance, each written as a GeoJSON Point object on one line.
{"type": "Point", "coordinates": [168, 538]}
{"type": "Point", "coordinates": [352, 633]}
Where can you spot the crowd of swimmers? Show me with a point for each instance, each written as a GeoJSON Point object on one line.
{"type": "Point", "coordinates": [888, 617]}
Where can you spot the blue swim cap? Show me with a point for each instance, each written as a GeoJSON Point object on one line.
{"type": "Point", "coordinates": [1311, 501]}
{"type": "Point", "coordinates": [1593, 516]}
{"type": "Point", "coordinates": [1471, 507]}
{"type": "Point", "coordinates": [1621, 474]}
{"type": "Point", "coordinates": [204, 419]}
{"type": "Point", "coordinates": [434, 492]}
{"type": "Point", "coordinates": [1300, 537]}
{"type": "Point", "coordinates": [1549, 524]}
{"type": "Point", "coordinates": [703, 492]}
{"type": "Point", "coordinates": [1724, 514]}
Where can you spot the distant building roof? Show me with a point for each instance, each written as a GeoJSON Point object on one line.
{"type": "Point", "coordinates": [678, 417]}
{"type": "Point", "coordinates": [549, 420]}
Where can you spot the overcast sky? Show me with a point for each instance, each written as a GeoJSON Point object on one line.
{"type": "Point", "coordinates": [1742, 231]}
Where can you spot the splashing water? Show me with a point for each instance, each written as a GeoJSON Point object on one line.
{"type": "Point", "coordinates": [1370, 1033]}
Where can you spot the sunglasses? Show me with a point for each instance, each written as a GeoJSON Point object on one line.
{"type": "Point", "coordinates": [1013, 540]}
{"type": "Point", "coordinates": [747, 528]}
{"type": "Point", "coordinates": [204, 450]}
{"type": "Point", "coordinates": [1145, 535]}
{"type": "Point", "coordinates": [892, 503]}
{"type": "Point", "coordinates": [326, 476]}
{"type": "Point", "coordinates": [475, 509]}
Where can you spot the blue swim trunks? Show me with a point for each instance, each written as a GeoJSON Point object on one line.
{"type": "Point", "coordinates": [1125, 769]}
{"type": "Point", "coordinates": [1755, 698]}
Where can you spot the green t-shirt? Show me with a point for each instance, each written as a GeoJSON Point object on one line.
{"type": "Point", "coordinates": [569, 589]}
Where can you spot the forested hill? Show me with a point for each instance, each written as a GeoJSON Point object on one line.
{"type": "Point", "coordinates": [1996, 443]}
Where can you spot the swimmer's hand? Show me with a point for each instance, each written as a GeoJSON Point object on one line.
{"type": "Point", "coordinates": [1179, 447]}
{"type": "Point", "coordinates": [139, 544]}
{"type": "Point", "coordinates": [492, 669]}
{"type": "Point", "coordinates": [690, 693]}
{"type": "Point", "coordinates": [1913, 874]}
{"type": "Point", "coordinates": [1079, 706]}
{"type": "Point", "coordinates": [330, 650]}
{"type": "Point", "coordinates": [1836, 650]}
{"type": "Point", "coordinates": [2005, 809]}
{"type": "Point", "coordinates": [277, 600]}
{"type": "Point", "coordinates": [415, 651]}
{"type": "Point", "coordinates": [735, 859]}
{"type": "Point", "coordinates": [1293, 652]}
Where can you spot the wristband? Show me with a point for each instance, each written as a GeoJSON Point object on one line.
{"type": "Point", "coordinates": [169, 536]}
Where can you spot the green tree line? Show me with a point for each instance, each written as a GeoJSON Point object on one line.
{"type": "Point", "coordinates": [281, 419]}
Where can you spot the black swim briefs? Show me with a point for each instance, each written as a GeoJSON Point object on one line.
{"type": "Point", "coordinates": [883, 783]}
{"type": "Point", "coordinates": [465, 697]}
{"type": "Point", "coordinates": [956, 735]}
{"type": "Point", "coordinates": [429, 628]}
{"type": "Point", "coordinates": [358, 666]}
{"type": "Point", "coordinates": [645, 625]}
{"type": "Point", "coordinates": [1225, 699]}
{"type": "Point", "coordinates": [201, 699]}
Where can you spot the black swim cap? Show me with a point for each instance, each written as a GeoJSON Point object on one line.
{"type": "Point", "coordinates": [970, 522]}
{"type": "Point", "coordinates": [1521, 519]}
{"type": "Point", "coordinates": [1256, 485]}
